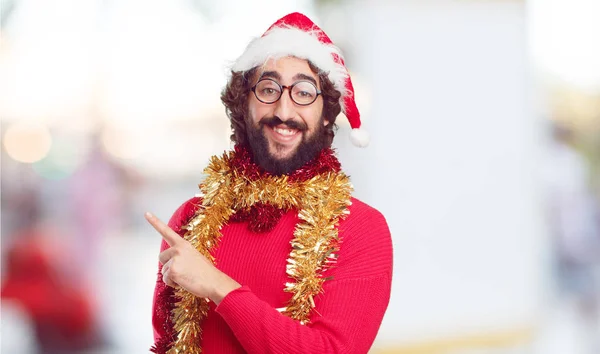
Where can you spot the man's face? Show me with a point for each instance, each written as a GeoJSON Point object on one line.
{"type": "Point", "coordinates": [284, 135]}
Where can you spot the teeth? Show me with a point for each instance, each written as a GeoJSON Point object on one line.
{"type": "Point", "coordinates": [283, 131]}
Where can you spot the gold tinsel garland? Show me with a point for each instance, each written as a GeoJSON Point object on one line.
{"type": "Point", "coordinates": [321, 201]}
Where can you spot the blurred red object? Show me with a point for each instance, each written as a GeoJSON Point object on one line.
{"type": "Point", "coordinates": [61, 311]}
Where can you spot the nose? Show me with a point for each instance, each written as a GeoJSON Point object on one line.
{"type": "Point", "coordinates": [284, 107]}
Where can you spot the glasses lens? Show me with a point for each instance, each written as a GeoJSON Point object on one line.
{"type": "Point", "coordinates": [304, 92]}
{"type": "Point", "coordinates": [267, 91]}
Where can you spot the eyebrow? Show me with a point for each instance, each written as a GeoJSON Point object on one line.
{"type": "Point", "coordinates": [305, 77]}
{"type": "Point", "coordinates": [275, 75]}
{"type": "Point", "coordinates": [272, 74]}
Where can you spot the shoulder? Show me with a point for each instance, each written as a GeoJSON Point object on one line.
{"type": "Point", "coordinates": [184, 213]}
{"type": "Point", "coordinates": [365, 240]}
{"type": "Point", "coordinates": [363, 216]}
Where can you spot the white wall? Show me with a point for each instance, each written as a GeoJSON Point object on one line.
{"type": "Point", "coordinates": [452, 163]}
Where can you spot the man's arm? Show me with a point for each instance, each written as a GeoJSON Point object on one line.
{"type": "Point", "coordinates": [351, 313]}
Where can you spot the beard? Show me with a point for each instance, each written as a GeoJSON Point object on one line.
{"type": "Point", "coordinates": [307, 150]}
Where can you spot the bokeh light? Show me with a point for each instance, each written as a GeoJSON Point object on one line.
{"type": "Point", "coordinates": [27, 142]}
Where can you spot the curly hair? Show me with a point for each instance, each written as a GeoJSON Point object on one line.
{"type": "Point", "coordinates": [235, 99]}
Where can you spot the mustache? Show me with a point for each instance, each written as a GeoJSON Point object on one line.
{"type": "Point", "coordinates": [292, 124]}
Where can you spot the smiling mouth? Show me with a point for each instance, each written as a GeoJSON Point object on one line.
{"type": "Point", "coordinates": [283, 134]}
{"type": "Point", "coordinates": [285, 131]}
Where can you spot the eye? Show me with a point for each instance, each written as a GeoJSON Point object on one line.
{"type": "Point", "coordinates": [269, 91]}
{"type": "Point", "coordinates": [305, 94]}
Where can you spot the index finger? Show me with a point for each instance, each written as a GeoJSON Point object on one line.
{"type": "Point", "coordinates": [170, 236]}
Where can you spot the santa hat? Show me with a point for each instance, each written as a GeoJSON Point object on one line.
{"type": "Point", "coordinates": [296, 35]}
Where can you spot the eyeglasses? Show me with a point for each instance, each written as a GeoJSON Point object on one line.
{"type": "Point", "coordinates": [269, 91]}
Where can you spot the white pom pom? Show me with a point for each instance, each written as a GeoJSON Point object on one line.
{"type": "Point", "coordinates": [359, 137]}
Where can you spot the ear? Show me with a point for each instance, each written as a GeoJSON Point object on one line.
{"type": "Point", "coordinates": [325, 122]}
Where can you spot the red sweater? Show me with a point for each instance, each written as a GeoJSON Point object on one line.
{"type": "Point", "coordinates": [350, 309]}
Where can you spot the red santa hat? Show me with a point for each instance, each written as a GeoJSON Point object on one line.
{"type": "Point", "coordinates": [296, 35]}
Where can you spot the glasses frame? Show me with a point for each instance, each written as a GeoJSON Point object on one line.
{"type": "Point", "coordinates": [290, 88]}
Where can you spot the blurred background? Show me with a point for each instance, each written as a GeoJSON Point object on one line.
{"type": "Point", "coordinates": [485, 159]}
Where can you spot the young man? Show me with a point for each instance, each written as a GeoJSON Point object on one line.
{"type": "Point", "coordinates": [276, 256]}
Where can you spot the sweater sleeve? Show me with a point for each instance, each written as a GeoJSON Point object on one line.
{"type": "Point", "coordinates": [350, 309]}
{"type": "Point", "coordinates": [161, 304]}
